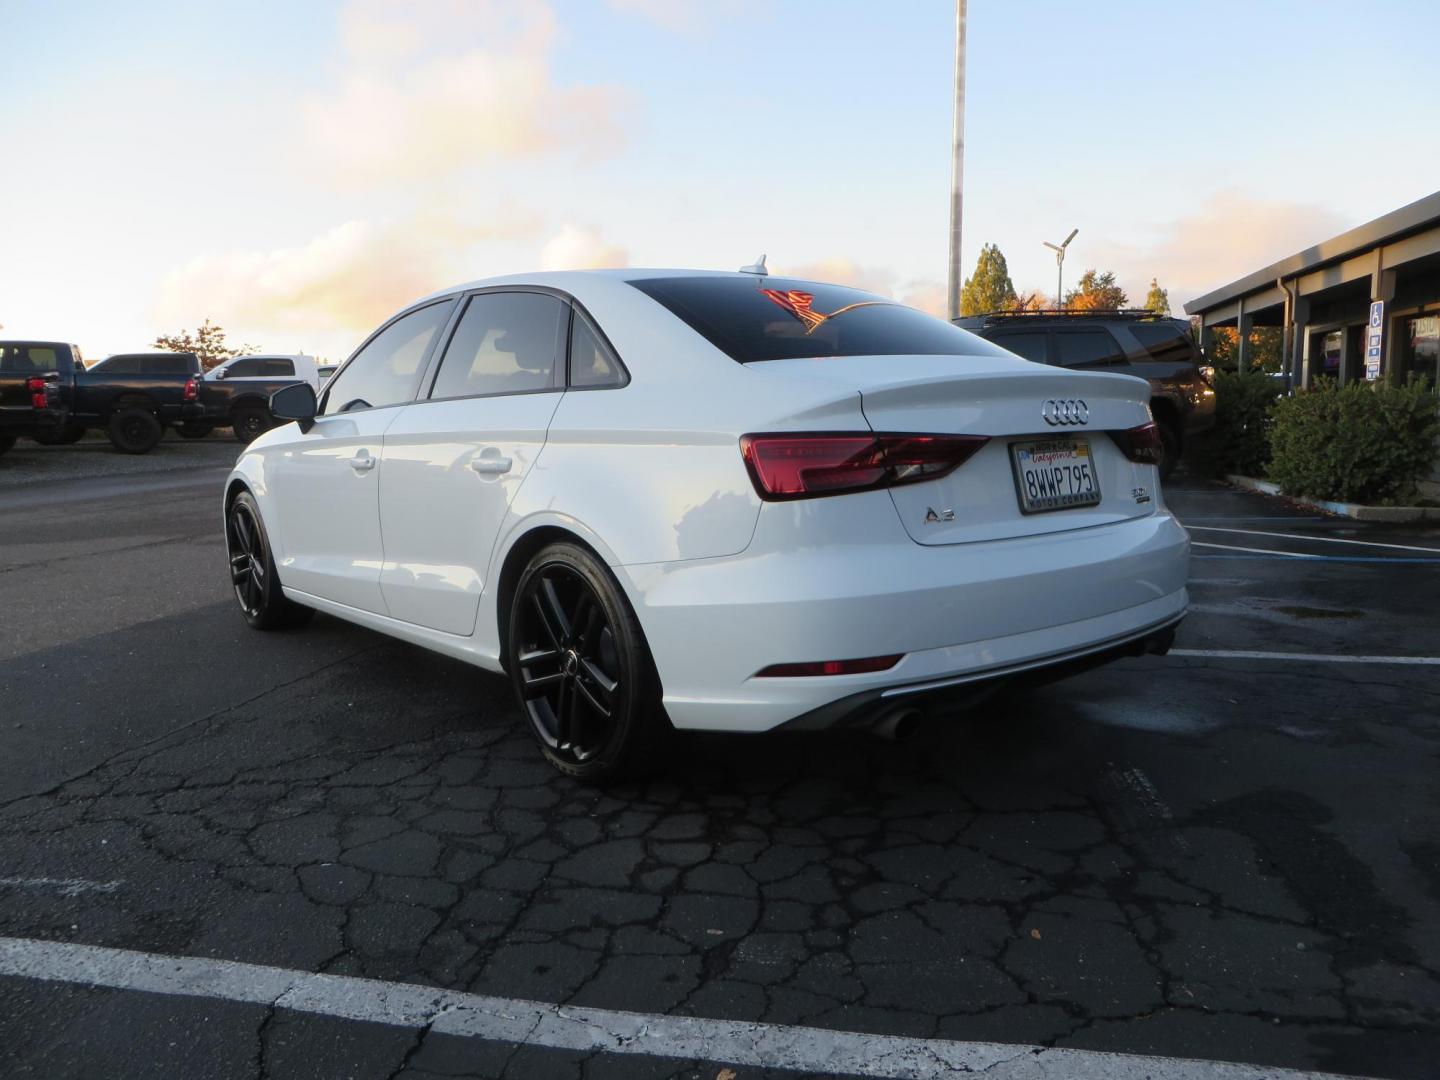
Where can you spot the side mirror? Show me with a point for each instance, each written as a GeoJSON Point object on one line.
{"type": "Point", "coordinates": [295, 402]}
{"type": "Point", "coordinates": [218, 373]}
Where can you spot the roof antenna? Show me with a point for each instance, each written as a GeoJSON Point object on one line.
{"type": "Point", "coordinates": [757, 268]}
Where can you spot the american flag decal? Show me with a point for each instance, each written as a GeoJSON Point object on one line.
{"type": "Point", "coordinates": [799, 304]}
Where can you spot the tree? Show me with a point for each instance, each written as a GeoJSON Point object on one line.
{"type": "Point", "coordinates": [1157, 299]}
{"type": "Point", "coordinates": [1095, 291]}
{"type": "Point", "coordinates": [1030, 300]}
{"type": "Point", "coordinates": [989, 288]}
{"type": "Point", "coordinates": [208, 343]}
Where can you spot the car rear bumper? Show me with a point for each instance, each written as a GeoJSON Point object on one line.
{"type": "Point", "coordinates": [954, 611]}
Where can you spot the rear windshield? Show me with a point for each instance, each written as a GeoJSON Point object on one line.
{"type": "Point", "coordinates": [766, 318]}
{"type": "Point", "coordinates": [1164, 341]}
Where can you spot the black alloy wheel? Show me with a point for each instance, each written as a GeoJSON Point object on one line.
{"type": "Point", "coordinates": [581, 669]}
{"type": "Point", "coordinates": [249, 424]}
{"type": "Point", "coordinates": [252, 570]}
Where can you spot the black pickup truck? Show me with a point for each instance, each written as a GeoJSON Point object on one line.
{"type": "Point", "coordinates": [47, 394]}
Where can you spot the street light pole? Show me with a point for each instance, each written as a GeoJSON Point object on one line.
{"type": "Point", "coordinates": [1059, 250]}
{"type": "Point", "coordinates": [957, 160]}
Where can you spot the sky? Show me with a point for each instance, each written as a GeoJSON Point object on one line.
{"type": "Point", "coordinates": [297, 171]}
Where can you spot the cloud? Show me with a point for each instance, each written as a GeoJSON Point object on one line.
{"type": "Point", "coordinates": [323, 295]}
{"type": "Point", "coordinates": [431, 89]}
{"type": "Point", "coordinates": [580, 247]}
{"type": "Point", "coordinates": [683, 15]}
{"type": "Point", "coordinates": [1227, 236]}
{"type": "Point", "coordinates": [842, 271]}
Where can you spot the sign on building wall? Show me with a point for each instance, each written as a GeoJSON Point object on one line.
{"type": "Point", "coordinates": [1374, 334]}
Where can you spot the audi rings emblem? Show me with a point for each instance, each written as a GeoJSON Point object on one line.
{"type": "Point", "coordinates": [1060, 412]}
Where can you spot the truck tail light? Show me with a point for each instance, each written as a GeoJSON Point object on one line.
{"type": "Point", "coordinates": [1142, 444]}
{"type": "Point", "coordinates": [806, 465]}
{"type": "Point", "coordinates": [191, 391]}
{"type": "Point", "coordinates": [39, 398]}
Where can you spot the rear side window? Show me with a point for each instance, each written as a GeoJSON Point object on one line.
{"type": "Point", "coordinates": [1030, 344]}
{"type": "Point", "coordinates": [1164, 341]}
{"type": "Point", "coordinates": [591, 364]}
{"type": "Point", "coordinates": [167, 365]}
{"type": "Point", "coordinates": [1088, 347]}
{"type": "Point", "coordinates": [505, 343]}
{"type": "Point", "coordinates": [766, 318]}
{"type": "Point", "coordinates": [277, 366]}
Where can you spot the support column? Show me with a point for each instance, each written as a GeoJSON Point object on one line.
{"type": "Point", "coordinates": [1243, 325]}
{"type": "Point", "coordinates": [1300, 345]}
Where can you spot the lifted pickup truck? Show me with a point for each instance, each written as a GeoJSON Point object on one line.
{"type": "Point", "coordinates": [47, 394]}
{"type": "Point", "coordinates": [236, 394]}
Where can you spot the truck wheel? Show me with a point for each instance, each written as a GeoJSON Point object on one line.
{"type": "Point", "coordinates": [6, 443]}
{"type": "Point", "coordinates": [70, 433]}
{"type": "Point", "coordinates": [1170, 440]}
{"type": "Point", "coordinates": [195, 429]}
{"type": "Point", "coordinates": [250, 423]}
{"type": "Point", "coordinates": [134, 430]}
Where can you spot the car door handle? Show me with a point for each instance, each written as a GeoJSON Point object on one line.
{"type": "Point", "coordinates": [491, 466]}
{"type": "Point", "coordinates": [362, 462]}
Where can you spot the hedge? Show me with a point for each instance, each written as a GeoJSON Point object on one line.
{"type": "Point", "coordinates": [1238, 442]}
{"type": "Point", "coordinates": [1363, 442]}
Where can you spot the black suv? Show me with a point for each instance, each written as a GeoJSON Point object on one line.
{"type": "Point", "coordinates": [1153, 347]}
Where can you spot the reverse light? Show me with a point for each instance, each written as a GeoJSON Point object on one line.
{"type": "Point", "coordinates": [191, 391]}
{"type": "Point", "coordinates": [1140, 444]}
{"type": "Point", "coordinates": [830, 667]}
{"type": "Point", "coordinates": [807, 465]}
{"type": "Point", "coordinates": [39, 399]}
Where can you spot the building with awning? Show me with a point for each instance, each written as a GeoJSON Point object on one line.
{"type": "Point", "coordinates": [1361, 305]}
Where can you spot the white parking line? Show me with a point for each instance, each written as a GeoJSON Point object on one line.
{"type": "Point", "coordinates": [71, 886]}
{"type": "Point", "coordinates": [688, 1038]}
{"type": "Point", "coordinates": [1306, 658]}
{"type": "Point", "coordinates": [1255, 551]}
{"type": "Point", "coordinates": [1317, 539]}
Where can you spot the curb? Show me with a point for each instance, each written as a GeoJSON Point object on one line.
{"type": "Point", "coordinates": [1357, 511]}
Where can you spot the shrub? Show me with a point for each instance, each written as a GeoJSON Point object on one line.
{"type": "Point", "coordinates": [1237, 443]}
{"type": "Point", "coordinates": [1364, 442]}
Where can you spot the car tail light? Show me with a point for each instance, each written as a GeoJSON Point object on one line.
{"type": "Point", "coordinates": [806, 465]}
{"type": "Point", "coordinates": [39, 399]}
{"type": "Point", "coordinates": [1140, 444]}
{"type": "Point", "coordinates": [191, 391]}
{"type": "Point", "coordinates": [830, 667]}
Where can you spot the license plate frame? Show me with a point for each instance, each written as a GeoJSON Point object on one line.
{"type": "Point", "coordinates": [1049, 504]}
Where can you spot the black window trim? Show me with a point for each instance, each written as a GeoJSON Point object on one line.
{"type": "Point", "coordinates": [425, 361]}
{"type": "Point", "coordinates": [573, 308]}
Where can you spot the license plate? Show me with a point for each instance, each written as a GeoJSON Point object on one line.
{"type": "Point", "coordinates": [1054, 474]}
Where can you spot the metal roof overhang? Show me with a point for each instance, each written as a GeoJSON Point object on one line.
{"type": "Point", "coordinates": [1416, 217]}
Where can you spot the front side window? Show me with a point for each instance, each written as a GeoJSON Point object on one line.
{"type": "Point", "coordinates": [505, 343]}
{"type": "Point", "coordinates": [1085, 348]}
{"type": "Point", "coordinates": [386, 371]}
{"type": "Point", "coordinates": [765, 318]}
{"type": "Point", "coordinates": [1164, 341]}
{"type": "Point", "coordinates": [120, 365]}
{"type": "Point", "coordinates": [243, 369]}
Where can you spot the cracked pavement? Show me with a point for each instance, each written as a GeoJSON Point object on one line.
{"type": "Point", "coordinates": [1180, 856]}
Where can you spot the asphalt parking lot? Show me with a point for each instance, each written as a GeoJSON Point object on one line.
{"type": "Point", "coordinates": [1231, 853]}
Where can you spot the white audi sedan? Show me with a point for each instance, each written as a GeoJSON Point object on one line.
{"type": "Point", "coordinates": [710, 501]}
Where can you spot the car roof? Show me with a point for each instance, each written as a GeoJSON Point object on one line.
{"type": "Point", "coordinates": [571, 280]}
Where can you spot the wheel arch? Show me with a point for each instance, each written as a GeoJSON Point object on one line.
{"type": "Point", "coordinates": [248, 401]}
{"type": "Point", "coordinates": [522, 549]}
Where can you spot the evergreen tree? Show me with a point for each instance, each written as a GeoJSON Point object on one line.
{"type": "Point", "coordinates": [1157, 299]}
{"type": "Point", "coordinates": [989, 288]}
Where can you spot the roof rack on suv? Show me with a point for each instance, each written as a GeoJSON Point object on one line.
{"type": "Point", "coordinates": [1128, 314]}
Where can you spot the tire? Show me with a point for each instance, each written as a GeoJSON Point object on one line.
{"type": "Point", "coordinates": [263, 604]}
{"type": "Point", "coordinates": [134, 430]}
{"type": "Point", "coordinates": [70, 433]}
{"type": "Point", "coordinates": [195, 429]}
{"type": "Point", "coordinates": [249, 422]}
{"type": "Point", "coordinates": [6, 442]}
{"type": "Point", "coordinates": [582, 673]}
{"type": "Point", "coordinates": [1170, 440]}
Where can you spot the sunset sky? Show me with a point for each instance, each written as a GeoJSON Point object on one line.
{"type": "Point", "coordinates": [296, 171]}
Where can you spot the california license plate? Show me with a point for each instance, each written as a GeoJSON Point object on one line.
{"type": "Point", "coordinates": [1055, 474]}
